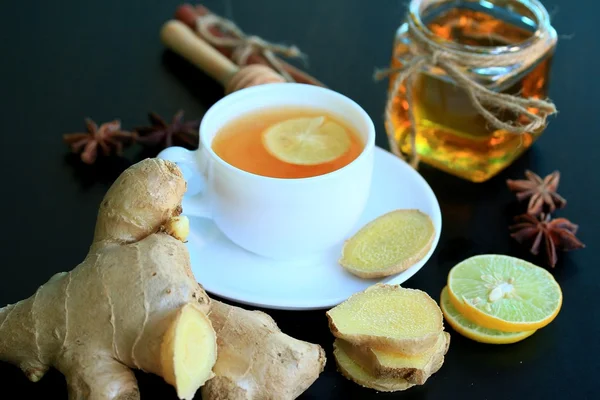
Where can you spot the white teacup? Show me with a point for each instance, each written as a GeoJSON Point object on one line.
{"type": "Point", "coordinates": [274, 217]}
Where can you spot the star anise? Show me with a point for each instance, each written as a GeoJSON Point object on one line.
{"type": "Point", "coordinates": [165, 135]}
{"type": "Point", "coordinates": [108, 138]}
{"type": "Point", "coordinates": [558, 233]}
{"type": "Point", "coordinates": [540, 192]}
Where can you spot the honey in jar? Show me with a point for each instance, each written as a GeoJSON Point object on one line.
{"type": "Point", "coordinates": [451, 133]}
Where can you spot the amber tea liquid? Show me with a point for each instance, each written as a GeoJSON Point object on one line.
{"type": "Point", "coordinates": [239, 143]}
{"type": "Point", "coordinates": [451, 134]}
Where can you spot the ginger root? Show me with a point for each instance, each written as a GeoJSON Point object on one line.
{"type": "Point", "coordinates": [132, 303]}
{"type": "Point", "coordinates": [256, 360]}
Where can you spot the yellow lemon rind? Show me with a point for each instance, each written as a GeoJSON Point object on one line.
{"type": "Point", "coordinates": [478, 336]}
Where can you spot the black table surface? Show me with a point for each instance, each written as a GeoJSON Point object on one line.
{"type": "Point", "coordinates": [63, 61]}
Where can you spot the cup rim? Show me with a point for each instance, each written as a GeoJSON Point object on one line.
{"type": "Point", "coordinates": [249, 92]}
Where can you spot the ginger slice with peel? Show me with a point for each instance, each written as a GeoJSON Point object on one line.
{"type": "Point", "coordinates": [306, 141]}
{"type": "Point", "coordinates": [389, 244]}
{"type": "Point", "coordinates": [188, 351]}
{"type": "Point", "coordinates": [354, 372]}
{"type": "Point", "coordinates": [415, 369]}
{"type": "Point", "coordinates": [388, 318]}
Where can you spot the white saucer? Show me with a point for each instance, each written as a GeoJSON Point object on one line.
{"type": "Point", "coordinates": [226, 270]}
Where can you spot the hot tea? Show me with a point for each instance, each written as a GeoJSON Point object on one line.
{"type": "Point", "coordinates": [288, 142]}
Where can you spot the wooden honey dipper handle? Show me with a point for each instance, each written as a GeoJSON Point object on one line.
{"type": "Point", "coordinates": [182, 40]}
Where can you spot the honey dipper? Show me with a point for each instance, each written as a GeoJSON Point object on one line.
{"type": "Point", "coordinates": [182, 40]}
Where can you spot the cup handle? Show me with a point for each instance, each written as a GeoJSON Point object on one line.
{"type": "Point", "coordinates": [195, 202]}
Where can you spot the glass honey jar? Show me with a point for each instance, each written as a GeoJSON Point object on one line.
{"type": "Point", "coordinates": [469, 82]}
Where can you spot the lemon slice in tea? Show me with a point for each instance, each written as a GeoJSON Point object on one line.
{"type": "Point", "coordinates": [504, 293]}
{"type": "Point", "coordinates": [306, 141]}
{"type": "Point", "coordinates": [473, 331]}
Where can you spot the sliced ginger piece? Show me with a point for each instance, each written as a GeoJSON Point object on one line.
{"type": "Point", "coordinates": [389, 244]}
{"type": "Point", "coordinates": [388, 318]}
{"type": "Point", "coordinates": [414, 369]}
{"type": "Point", "coordinates": [354, 372]}
{"type": "Point", "coordinates": [188, 351]}
{"type": "Point", "coordinates": [306, 141]}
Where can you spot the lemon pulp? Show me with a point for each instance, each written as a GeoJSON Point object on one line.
{"type": "Point", "coordinates": [504, 293]}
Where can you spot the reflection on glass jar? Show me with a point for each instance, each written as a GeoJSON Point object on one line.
{"type": "Point", "coordinates": [451, 133]}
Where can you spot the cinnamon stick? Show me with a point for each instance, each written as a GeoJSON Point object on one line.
{"type": "Point", "coordinates": [188, 14]}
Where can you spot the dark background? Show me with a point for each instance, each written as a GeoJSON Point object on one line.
{"type": "Point", "coordinates": [63, 61]}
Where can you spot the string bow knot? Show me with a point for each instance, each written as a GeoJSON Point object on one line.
{"type": "Point", "coordinates": [243, 46]}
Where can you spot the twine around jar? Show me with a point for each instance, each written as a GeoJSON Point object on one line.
{"type": "Point", "coordinates": [426, 52]}
{"type": "Point", "coordinates": [243, 45]}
